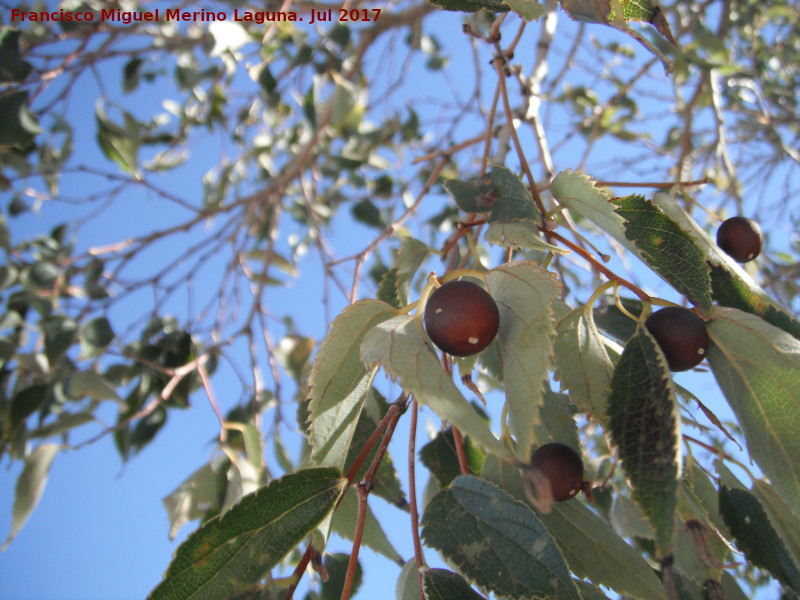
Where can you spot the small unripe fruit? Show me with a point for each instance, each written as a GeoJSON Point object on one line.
{"type": "Point", "coordinates": [461, 318]}
{"type": "Point", "coordinates": [562, 467]}
{"type": "Point", "coordinates": [740, 238]}
{"type": "Point", "coordinates": [682, 336]}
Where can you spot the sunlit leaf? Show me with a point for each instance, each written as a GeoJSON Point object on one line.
{"type": "Point", "coordinates": [523, 291]}
{"type": "Point", "coordinates": [757, 366]}
{"type": "Point", "coordinates": [399, 346]}
{"type": "Point", "coordinates": [232, 553]}
{"type": "Point", "coordinates": [339, 381]}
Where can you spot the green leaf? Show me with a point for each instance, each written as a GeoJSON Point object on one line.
{"type": "Point", "coordinates": [91, 384]}
{"type": "Point", "coordinates": [192, 499]}
{"type": "Point", "coordinates": [513, 201]}
{"type": "Point", "coordinates": [336, 566]}
{"type": "Point", "coordinates": [667, 248]}
{"type": "Point", "coordinates": [386, 483]}
{"type": "Point", "coordinates": [580, 194]}
{"type": "Point", "coordinates": [441, 584]}
{"type": "Point", "coordinates": [235, 551]}
{"type": "Point", "coordinates": [19, 124]}
{"type": "Point", "coordinates": [64, 423]}
{"type": "Point", "coordinates": [472, 196]}
{"type": "Point", "coordinates": [410, 257]}
{"type": "Point", "coordinates": [339, 381]}
{"type": "Point", "coordinates": [529, 10]}
{"type": "Point", "coordinates": [344, 523]}
{"type": "Point", "coordinates": [440, 457]}
{"type": "Point", "coordinates": [387, 288]}
{"type": "Point", "coordinates": [591, 548]}
{"type": "Point", "coordinates": [399, 346]}
{"type": "Point", "coordinates": [496, 541]}
{"type": "Point", "coordinates": [59, 334]}
{"type": "Point", "coordinates": [12, 66]}
{"type": "Point", "coordinates": [120, 144]}
{"type": "Point", "coordinates": [582, 364]}
{"type": "Point", "coordinates": [30, 485]}
{"type": "Point", "coordinates": [645, 427]}
{"type": "Point", "coordinates": [407, 587]}
{"type": "Point", "coordinates": [366, 212]}
{"type": "Point", "coordinates": [523, 292]}
{"type": "Point", "coordinates": [522, 234]}
{"type": "Point", "coordinates": [755, 536]}
{"type": "Point", "coordinates": [731, 285]}
{"type": "Point", "coordinates": [95, 336]}
{"type": "Point", "coordinates": [785, 522]}
{"type": "Point", "coordinates": [757, 366]}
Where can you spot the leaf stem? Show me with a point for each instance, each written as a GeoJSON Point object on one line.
{"type": "Point", "coordinates": [462, 457]}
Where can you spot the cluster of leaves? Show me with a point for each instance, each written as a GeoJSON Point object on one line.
{"type": "Point", "coordinates": [310, 138]}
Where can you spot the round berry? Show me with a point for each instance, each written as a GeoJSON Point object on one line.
{"type": "Point", "coordinates": [461, 318]}
{"type": "Point", "coordinates": [682, 336]}
{"type": "Point", "coordinates": [562, 467]}
{"type": "Point", "coordinates": [740, 238]}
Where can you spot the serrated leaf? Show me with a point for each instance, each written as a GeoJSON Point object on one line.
{"type": "Point", "coordinates": [579, 193]}
{"type": "Point", "coordinates": [523, 234]}
{"type": "Point", "coordinates": [645, 427]}
{"type": "Point", "coordinates": [755, 536]}
{"type": "Point", "coordinates": [441, 584]}
{"type": "Point", "coordinates": [387, 289]}
{"type": "Point", "coordinates": [667, 248]}
{"type": "Point", "coordinates": [339, 381]}
{"type": "Point", "coordinates": [785, 522]}
{"type": "Point", "coordinates": [582, 364]}
{"type": "Point", "coordinates": [232, 553]}
{"type": "Point", "coordinates": [731, 285]}
{"type": "Point", "coordinates": [513, 201]}
{"type": "Point", "coordinates": [472, 196]}
{"type": "Point", "coordinates": [496, 541]}
{"type": "Point", "coordinates": [523, 292]}
{"type": "Point", "coordinates": [399, 346]}
{"type": "Point", "coordinates": [757, 366]}
{"type": "Point", "coordinates": [344, 523]}
{"type": "Point", "coordinates": [591, 548]}
{"type": "Point", "coordinates": [410, 256]}
{"type": "Point", "coordinates": [30, 485]}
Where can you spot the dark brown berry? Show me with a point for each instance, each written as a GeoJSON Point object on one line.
{"type": "Point", "coordinates": [562, 467]}
{"type": "Point", "coordinates": [461, 318]}
{"type": "Point", "coordinates": [682, 336]}
{"type": "Point", "coordinates": [740, 238]}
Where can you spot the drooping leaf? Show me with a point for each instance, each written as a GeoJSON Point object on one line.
{"type": "Point", "coordinates": [785, 522]}
{"type": "Point", "coordinates": [513, 201]}
{"type": "Point", "coordinates": [339, 381]}
{"type": "Point", "coordinates": [336, 568]}
{"type": "Point", "coordinates": [591, 548]}
{"type": "Point", "coordinates": [344, 522]}
{"type": "Point", "coordinates": [407, 587]}
{"type": "Point", "coordinates": [667, 248]}
{"type": "Point", "coordinates": [757, 366]}
{"type": "Point", "coordinates": [120, 144]}
{"type": "Point", "coordinates": [30, 485]}
{"type": "Point", "coordinates": [582, 364]}
{"type": "Point", "coordinates": [645, 427]}
{"type": "Point", "coordinates": [232, 553]}
{"type": "Point", "coordinates": [59, 334]}
{"type": "Point", "coordinates": [755, 536]}
{"type": "Point", "coordinates": [399, 346]}
{"type": "Point", "coordinates": [496, 541]}
{"type": "Point", "coordinates": [441, 584]}
{"type": "Point", "coordinates": [523, 291]}
{"type": "Point", "coordinates": [19, 124]}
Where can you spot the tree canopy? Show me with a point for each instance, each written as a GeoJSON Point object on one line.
{"type": "Point", "coordinates": [215, 170]}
